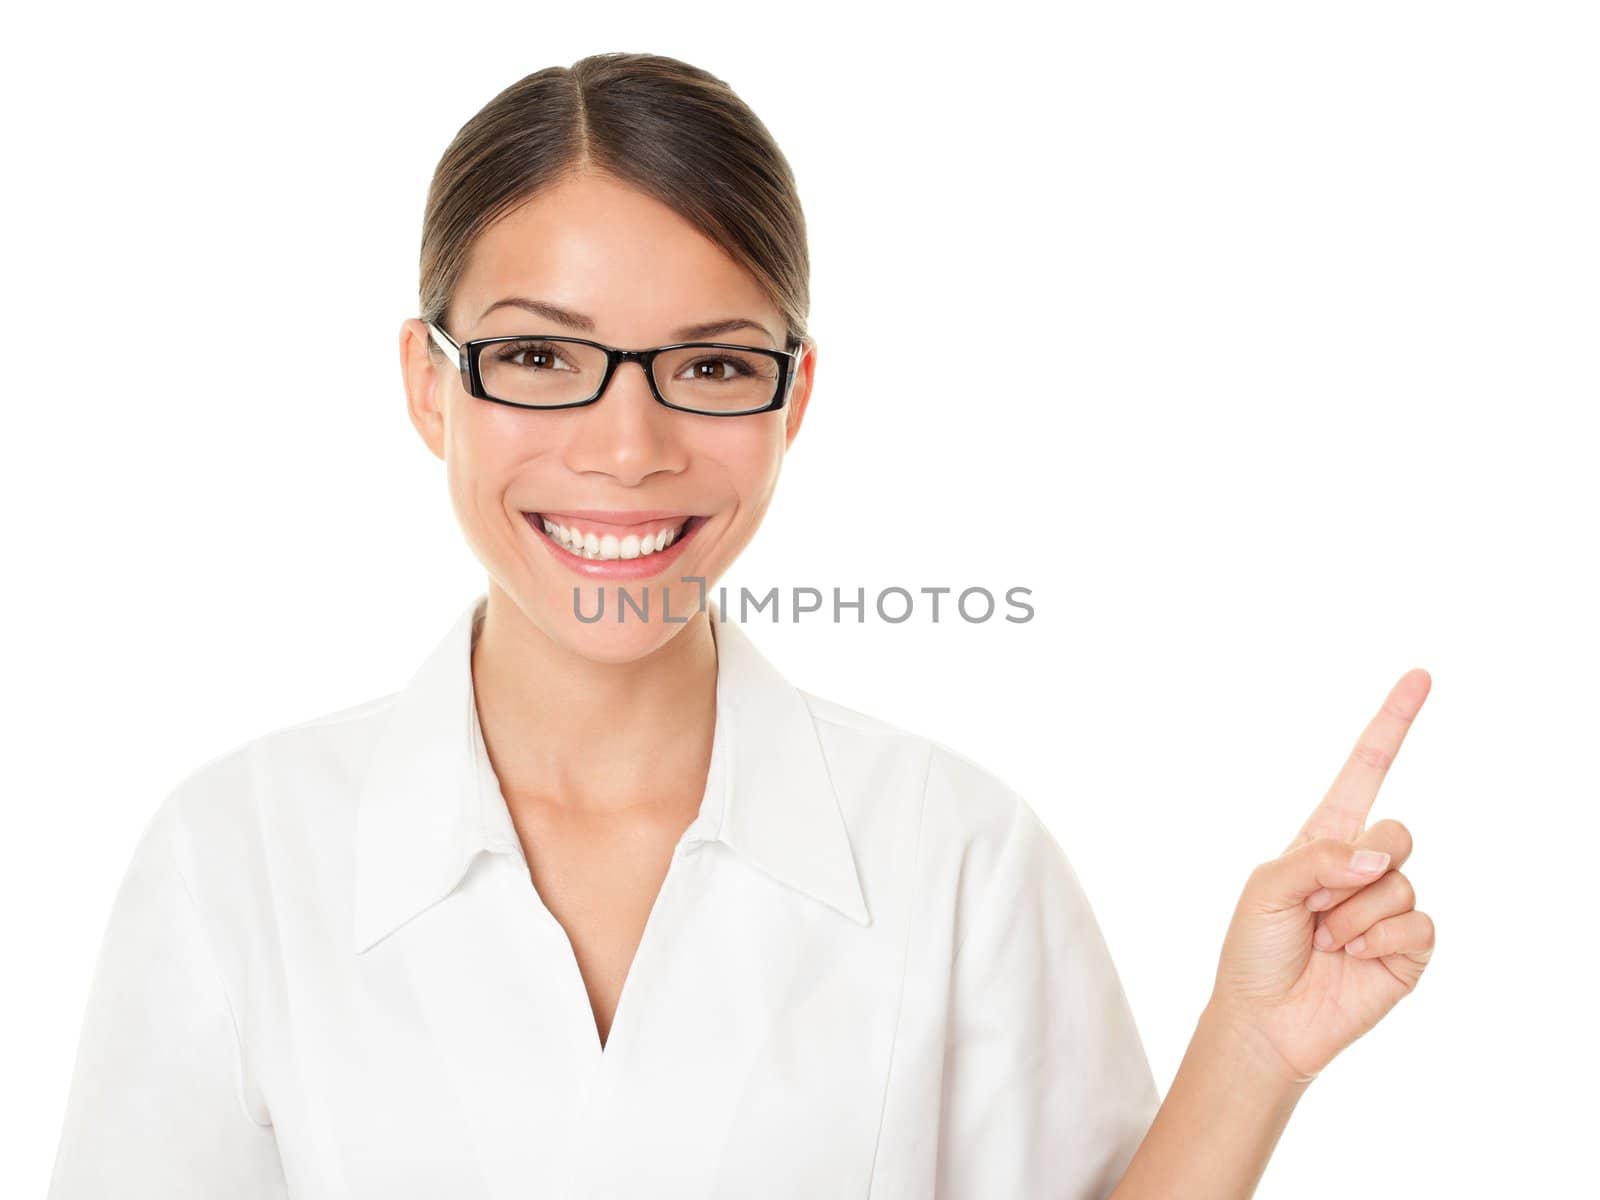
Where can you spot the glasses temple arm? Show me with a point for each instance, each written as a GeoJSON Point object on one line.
{"type": "Point", "coordinates": [444, 340]}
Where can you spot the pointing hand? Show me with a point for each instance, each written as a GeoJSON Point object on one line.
{"type": "Point", "coordinates": [1320, 949]}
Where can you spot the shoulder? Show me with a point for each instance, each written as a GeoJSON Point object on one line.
{"type": "Point", "coordinates": [316, 749]}
{"type": "Point", "coordinates": [285, 791]}
{"type": "Point", "coordinates": [975, 858]}
{"type": "Point", "coordinates": [959, 800]}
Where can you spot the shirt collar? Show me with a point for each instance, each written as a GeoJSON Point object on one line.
{"type": "Point", "coordinates": [429, 800]}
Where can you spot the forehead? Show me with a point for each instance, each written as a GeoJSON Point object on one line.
{"type": "Point", "coordinates": [603, 248]}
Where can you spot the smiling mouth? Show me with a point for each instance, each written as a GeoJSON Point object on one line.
{"type": "Point", "coordinates": [586, 541]}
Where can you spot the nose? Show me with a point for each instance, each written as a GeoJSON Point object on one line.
{"type": "Point", "coordinates": [625, 434]}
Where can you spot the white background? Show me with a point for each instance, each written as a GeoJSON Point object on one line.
{"type": "Point", "coordinates": [1259, 341]}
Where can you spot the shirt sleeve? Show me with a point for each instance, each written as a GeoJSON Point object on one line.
{"type": "Point", "coordinates": [1048, 1091]}
{"type": "Point", "coordinates": [157, 1106]}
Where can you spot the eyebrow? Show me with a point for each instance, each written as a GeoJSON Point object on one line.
{"type": "Point", "coordinates": [585, 324]}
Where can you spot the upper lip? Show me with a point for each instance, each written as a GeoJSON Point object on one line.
{"type": "Point", "coordinates": [613, 516]}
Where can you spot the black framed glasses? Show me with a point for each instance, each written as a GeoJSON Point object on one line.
{"type": "Point", "coordinates": [716, 379]}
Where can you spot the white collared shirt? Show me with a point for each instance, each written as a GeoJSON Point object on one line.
{"type": "Point", "coordinates": [870, 972]}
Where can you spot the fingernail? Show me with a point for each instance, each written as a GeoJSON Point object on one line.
{"type": "Point", "coordinates": [1318, 899]}
{"type": "Point", "coordinates": [1356, 945]}
{"type": "Point", "coordinates": [1324, 939]}
{"type": "Point", "coordinates": [1369, 862]}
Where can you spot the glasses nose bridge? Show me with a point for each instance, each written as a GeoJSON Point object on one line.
{"type": "Point", "coordinates": [643, 358]}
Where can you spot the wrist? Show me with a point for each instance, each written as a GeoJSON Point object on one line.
{"type": "Point", "coordinates": [1238, 1041]}
{"type": "Point", "coordinates": [1221, 1118]}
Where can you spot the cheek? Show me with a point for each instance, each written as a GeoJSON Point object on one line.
{"type": "Point", "coordinates": [485, 446]}
{"type": "Point", "coordinates": [749, 454]}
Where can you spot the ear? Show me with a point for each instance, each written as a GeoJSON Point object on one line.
{"type": "Point", "coordinates": [800, 393]}
{"type": "Point", "coordinates": [424, 381]}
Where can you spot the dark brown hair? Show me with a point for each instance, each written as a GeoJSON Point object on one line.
{"type": "Point", "coordinates": [674, 131]}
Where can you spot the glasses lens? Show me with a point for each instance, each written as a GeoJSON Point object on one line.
{"type": "Point", "coordinates": [541, 371]}
{"type": "Point", "coordinates": [714, 379]}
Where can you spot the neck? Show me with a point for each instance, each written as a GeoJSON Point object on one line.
{"type": "Point", "coordinates": [596, 737]}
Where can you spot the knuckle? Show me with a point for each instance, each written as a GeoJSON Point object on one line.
{"type": "Point", "coordinates": [1397, 712]}
{"type": "Point", "coordinates": [1425, 922]}
{"type": "Point", "coordinates": [1369, 755]}
{"type": "Point", "coordinates": [1396, 833]}
{"type": "Point", "coordinates": [1403, 889]}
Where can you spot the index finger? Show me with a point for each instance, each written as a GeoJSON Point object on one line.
{"type": "Point", "coordinates": [1343, 811]}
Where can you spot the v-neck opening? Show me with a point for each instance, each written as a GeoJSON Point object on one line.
{"type": "Point", "coordinates": [605, 1051]}
{"type": "Point", "coordinates": [500, 835]}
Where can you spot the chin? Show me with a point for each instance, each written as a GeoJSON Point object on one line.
{"type": "Point", "coordinates": [609, 639]}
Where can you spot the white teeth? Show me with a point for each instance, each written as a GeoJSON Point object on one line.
{"type": "Point", "coordinates": [608, 546]}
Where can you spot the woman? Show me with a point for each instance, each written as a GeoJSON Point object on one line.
{"type": "Point", "coordinates": [598, 903]}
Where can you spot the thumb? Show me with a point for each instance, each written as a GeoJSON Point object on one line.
{"type": "Point", "coordinates": [1325, 862]}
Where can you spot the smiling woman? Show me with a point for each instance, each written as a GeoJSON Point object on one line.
{"type": "Point", "coordinates": [611, 908]}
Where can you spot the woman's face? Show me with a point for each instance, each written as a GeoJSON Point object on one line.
{"type": "Point", "coordinates": [635, 273]}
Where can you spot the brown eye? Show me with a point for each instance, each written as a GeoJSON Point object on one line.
{"type": "Point", "coordinates": [720, 369]}
{"type": "Point", "coordinates": [532, 356]}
